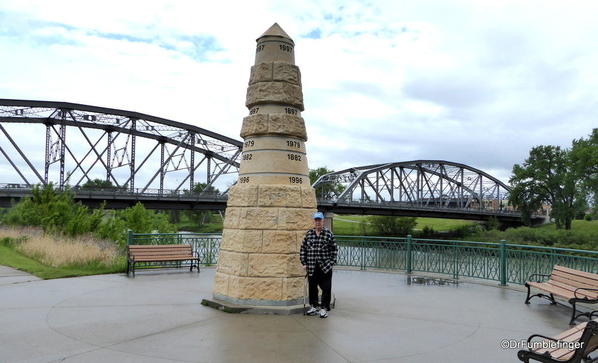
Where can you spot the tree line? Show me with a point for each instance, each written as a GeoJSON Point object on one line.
{"type": "Point", "coordinates": [566, 179]}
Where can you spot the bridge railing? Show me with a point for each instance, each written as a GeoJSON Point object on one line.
{"type": "Point", "coordinates": [116, 191]}
{"type": "Point", "coordinates": [502, 262]}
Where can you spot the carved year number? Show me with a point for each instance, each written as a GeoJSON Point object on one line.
{"type": "Point", "coordinates": [294, 157]}
{"type": "Point", "coordinates": [247, 156]}
{"type": "Point", "coordinates": [295, 180]}
{"type": "Point", "coordinates": [244, 179]}
{"type": "Point", "coordinates": [290, 111]}
{"type": "Point", "coordinates": [249, 143]}
{"type": "Point", "coordinates": [293, 143]}
{"type": "Point", "coordinates": [254, 110]}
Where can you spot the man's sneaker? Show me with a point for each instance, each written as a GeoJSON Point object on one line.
{"type": "Point", "coordinates": [311, 311]}
{"type": "Point", "coordinates": [323, 313]}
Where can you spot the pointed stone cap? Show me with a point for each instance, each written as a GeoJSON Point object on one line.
{"type": "Point", "coordinates": [275, 31]}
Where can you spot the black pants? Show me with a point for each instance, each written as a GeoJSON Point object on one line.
{"type": "Point", "coordinates": [324, 280]}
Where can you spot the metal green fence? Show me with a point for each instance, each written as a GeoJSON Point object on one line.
{"type": "Point", "coordinates": [503, 262]}
{"type": "Point", "coordinates": [205, 244]}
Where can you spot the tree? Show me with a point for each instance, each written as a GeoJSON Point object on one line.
{"type": "Point", "coordinates": [547, 176]}
{"type": "Point", "coordinates": [327, 190]}
{"type": "Point", "coordinates": [197, 216]}
{"type": "Point", "coordinates": [199, 188]}
{"type": "Point", "coordinates": [98, 184]}
{"type": "Point", "coordinates": [584, 156]}
{"type": "Point", "coordinates": [392, 226]}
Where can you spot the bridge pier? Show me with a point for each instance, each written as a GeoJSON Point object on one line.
{"type": "Point", "coordinates": [328, 220]}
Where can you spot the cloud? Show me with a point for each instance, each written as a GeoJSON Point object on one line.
{"type": "Point", "coordinates": [473, 82]}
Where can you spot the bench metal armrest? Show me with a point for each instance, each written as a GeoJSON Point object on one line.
{"type": "Point", "coordinates": [583, 288]}
{"type": "Point", "coordinates": [539, 275]}
{"type": "Point", "coordinates": [540, 336]}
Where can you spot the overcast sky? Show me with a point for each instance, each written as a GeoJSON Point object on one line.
{"type": "Point", "coordinates": [475, 82]}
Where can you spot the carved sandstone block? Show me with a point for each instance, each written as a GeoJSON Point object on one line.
{"type": "Point", "coordinates": [242, 196]}
{"type": "Point", "coordinates": [280, 242]}
{"type": "Point", "coordinates": [241, 240]}
{"type": "Point", "coordinates": [295, 218]}
{"type": "Point", "coordinates": [295, 268]}
{"type": "Point", "coordinates": [308, 197]}
{"type": "Point", "coordinates": [286, 72]}
{"type": "Point", "coordinates": [233, 263]}
{"type": "Point", "coordinates": [279, 196]}
{"type": "Point", "coordinates": [254, 125]}
{"type": "Point", "coordinates": [231, 218]}
{"type": "Point", "coordinates": [261, 72]}
{"type": "Point", "coordinates": [287, 125]}
{"type": "Point", "coordinates": [255, 288]}
{"type": "Point", "coordinates": [258, 218]}
{"type": "Point", "coordinates": [270, 265]}
{"type": "Point", "coordinates": [292, 288]}
{"type": "Point", "coordinates": [274, 92]}
{"type": "Point", "coordinates": [221, 283]}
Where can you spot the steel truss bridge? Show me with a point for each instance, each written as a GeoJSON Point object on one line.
{"type": "Point", "coordinates": [71, 144]}
{"type": "Point", "coordinates": [135, 152]}
{"type": "Point", "coordinates": [421, 188]}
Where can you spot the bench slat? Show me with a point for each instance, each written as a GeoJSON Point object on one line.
{"type": "Point", "coordinates": [573, 282]}
{"type": "Point", "coordinates": [577, 281]}
{"type": "Point", "coordinates": [571, 335]}
{"type": "Point", "coordinates": [546, 286]}
{"type": "Point", "coordinates": [158, 253]}
{"type": "Point", "coordinates": [580, 293]}
{"type": "Point", "coordinates": [588, 275]}
{"type": "Point", "coordinates": [163, 259]}
{"type": "Point", "coordinates": [158, 248]}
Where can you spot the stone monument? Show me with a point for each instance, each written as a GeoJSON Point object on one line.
{"type": "Point", "coordinates": [270, 207]}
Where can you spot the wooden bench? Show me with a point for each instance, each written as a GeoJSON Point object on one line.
{"type": "Point", "coordinates": [573, 285]}
{"type": "Point", "coordinates": [571, 346]}
{"type": "Point", "coordinates": [160, 253]}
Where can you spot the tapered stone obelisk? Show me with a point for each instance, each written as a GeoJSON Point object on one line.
{"type": "Point", "coordinates": [270, 207]}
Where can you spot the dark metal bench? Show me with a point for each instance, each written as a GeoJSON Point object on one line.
{"type": "Point", "coordinates": [576, 286]}
{"type": "Point", "coordinates": [571, 346]}
{"type": "Point", "coordinates": [160, 253]}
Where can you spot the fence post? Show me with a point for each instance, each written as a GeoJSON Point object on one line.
{"type": "Point", "coordinates": [129, 237]}
{"type": "Point", "coordinates": [455, 260]}
{"type": "Point", "coordinates": [503, 262]}
{"type": "Point", "coordinates": [209, 252]}
{"type": "Point", "coordinates": [409, 249]}
{"type": "Point", "coordinates": [363, 244]}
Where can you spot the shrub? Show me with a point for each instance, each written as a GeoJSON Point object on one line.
{"type": "Point", "coordinates": [392, 226]}
{"type": "Point", "coordinates": [57, 213]}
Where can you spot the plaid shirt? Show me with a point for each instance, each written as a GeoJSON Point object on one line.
{"type": "Point", "coordinates": [321, 250]}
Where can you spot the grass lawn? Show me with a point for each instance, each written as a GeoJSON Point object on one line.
{"type": "Point", "coordinates": [577, 225]}
{"type": "Point", "coordinates": [214, 225]}
{"type": "Point", "coordinates": [441, 224]}
{"type": "Point", "coordinates": [12, 258]}
{"type": "Point", "coordinates": [356, 224]}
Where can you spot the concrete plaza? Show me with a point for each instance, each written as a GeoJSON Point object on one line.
{"type": "Point", "coordinates": [157, 317]}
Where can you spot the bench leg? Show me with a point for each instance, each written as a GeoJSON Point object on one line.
{"type": "Point", "coordinates": [573, 317]}
{"type": "Point", "coordinates": [548, 297]}
{"type": "Point", "coordinates": [128, 267]}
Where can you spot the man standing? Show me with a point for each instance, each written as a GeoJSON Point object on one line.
{"type": "Point", "coordinates": [318, 255]}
